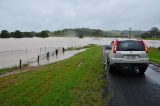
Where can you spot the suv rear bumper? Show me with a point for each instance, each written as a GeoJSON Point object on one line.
{"type": "Point", "coordinates": [121, 60]}
{"type": "Point", "coordinates": [130, 65]}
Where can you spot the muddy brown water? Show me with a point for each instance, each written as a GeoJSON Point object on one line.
{"type": "Point", "coordinates": [27, 49]}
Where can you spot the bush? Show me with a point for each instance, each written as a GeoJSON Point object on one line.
{"type": "Point", "coordinates": [17, 34]}
{"type": "Point", "coordinates": [43, 34]}
{"type": "Point", "coordinates": [4, 34]}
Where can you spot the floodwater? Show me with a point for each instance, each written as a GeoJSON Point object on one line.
{"type": "Point", "coordinates": [27, 49]}
{"type": "Point", "coordinates": [51, 59]}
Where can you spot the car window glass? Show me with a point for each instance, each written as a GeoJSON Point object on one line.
{"type": "Point", "coordinates": [130, 45]}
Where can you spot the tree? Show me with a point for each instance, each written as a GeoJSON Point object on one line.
{"type": "Point", "coordinates": [4, 34]}
{"type": "Point", "coordinates": [158, 34]}
{"type": "Point", "coordinates": [80, 36]}
{"type": "Point", "coordinates": [43, 34]}
{"type": "Point", "coordinates": [17, 34]}
{"type": "Point", "coordinates": [28, 34]}
{"type": "Point", "coordinates": [146, 35]}
{"type": "Point", "coordinates": [97, 33]}
{"type": "Point", "coordinates": [153, 31]}
{"type": "Point", "coordinates": [12, 34]}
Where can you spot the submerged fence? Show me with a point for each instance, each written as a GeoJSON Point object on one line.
{"type": "Point", "coordinates": [20, 58]}
{"type": "Point", "coordinates": [32, 57]}
{"type": "Point", "coordinates": [47, 55]}
{"type": "Point", "coordinates": [37, 50]}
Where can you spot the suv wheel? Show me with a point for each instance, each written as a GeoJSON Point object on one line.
{"type": "Point", "coordinates": [142, 71]}
{"type": "Point", "coordinates": [110, 68]}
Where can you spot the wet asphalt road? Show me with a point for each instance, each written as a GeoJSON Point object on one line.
{"type": "Point", "coordinates": [132, 89]}
{"type": "Point", "coordinates": [128, 88]}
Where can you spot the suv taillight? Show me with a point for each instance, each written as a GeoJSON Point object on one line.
{"type": "Point", "coordinates": [115, 46]}
{"type": "Point", "coordinates": [145, 46]}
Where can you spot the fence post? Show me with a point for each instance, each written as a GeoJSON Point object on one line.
{"type": "Point", "coordinates": [47, 56]}
{"type": "Point", "coordinates": [63, 50]}
{"type": "Point", "coordinates": [20, 63]}
{"type": "Point", "coordinates": [56, 52]}
{"type": "Point", "coordinates": [38, 60]}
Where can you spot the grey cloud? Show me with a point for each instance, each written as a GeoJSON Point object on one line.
{"type": "Point", "coordinates": [28, 15]}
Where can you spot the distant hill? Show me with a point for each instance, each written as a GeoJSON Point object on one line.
{"type": "Point", "coordinates": [126, 32]}
{"type": "Point", "coordinates": [86, 32]}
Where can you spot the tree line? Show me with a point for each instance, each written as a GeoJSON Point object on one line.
{"type": "Point", "coordinates": [19, 34]}
{"type": "Point", "coordinates": [84, 32]}
{"type": "Point", "coordinates": [79, 32]}
{"type": "Point", "coordinates": [154, 32]}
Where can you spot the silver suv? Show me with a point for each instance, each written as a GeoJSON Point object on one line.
{"type": "Point", "coordinates": [127, 54]}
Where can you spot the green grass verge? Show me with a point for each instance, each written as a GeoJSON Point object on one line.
{"type": "Point", "coordinates": [77, 81]}
{"type": "Point", "coordinates": [83, 47]}
{"type": "Point", "coordinates": [154, 55]}
{"type": "Point", "coordinates": [5, 70]}
{"type": "Point", "coordinates": [152, 38]}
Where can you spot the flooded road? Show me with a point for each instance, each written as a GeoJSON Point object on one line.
{"type": "Point", "coordinates": [132, 89]}
{"type": "Point", "coordinates": [52, 59]}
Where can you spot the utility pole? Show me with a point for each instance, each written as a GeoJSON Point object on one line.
{"type": "Point", "coordinates": [130, 32]}
{"type": "Point", "coordinates": [122, 34]}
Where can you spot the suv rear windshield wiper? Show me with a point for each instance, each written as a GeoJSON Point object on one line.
{"type": "Point", "coordinates": [131, 49]}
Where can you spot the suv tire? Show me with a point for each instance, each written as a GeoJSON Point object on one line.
{"type": "Point", "coordinates": [142, 71]}
{"type": "Point", "coordinates": [110, 68]}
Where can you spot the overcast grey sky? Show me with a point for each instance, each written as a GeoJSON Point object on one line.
{"type": "Point", "coordinates": [37, 15]}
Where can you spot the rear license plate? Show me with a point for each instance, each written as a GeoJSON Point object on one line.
{"type": "Point", "coordinates": [130, 57]}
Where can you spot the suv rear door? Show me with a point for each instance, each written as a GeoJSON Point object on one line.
{"type": "Point", "coordinates": [131, 50]}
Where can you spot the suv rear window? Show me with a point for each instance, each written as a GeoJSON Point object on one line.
{"type": "Point", "coordinates": [130, 45]}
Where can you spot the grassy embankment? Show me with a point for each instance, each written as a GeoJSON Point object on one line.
{"type": "Point", "coordinates": [5, 70]}
{"type": "Point", "coordinates": [152, 38]}
{"type": "Point", "coordinates": [83, 47]}
{"type": "Point", "coordinates": [154, 55]}
{"type": "Point", "coordinates": [76, 81]}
